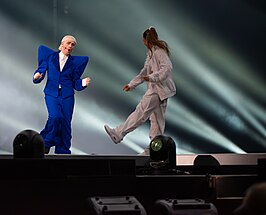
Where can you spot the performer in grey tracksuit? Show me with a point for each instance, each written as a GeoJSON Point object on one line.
{"type": "Point", "coordinates": [157, 73]}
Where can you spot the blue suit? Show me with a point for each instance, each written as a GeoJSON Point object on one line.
{"type": "Point", "coordinates": [59, 102]}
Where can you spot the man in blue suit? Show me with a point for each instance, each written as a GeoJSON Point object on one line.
{"type": "Point", "coordinates": [63, 77]}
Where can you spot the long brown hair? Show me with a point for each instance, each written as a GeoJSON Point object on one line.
{"type": "Point", "coordinates": [152, 37]}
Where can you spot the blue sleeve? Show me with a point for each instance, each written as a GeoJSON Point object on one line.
{"type": "Point", "coordinates": [43, 56]}
{"type": "Point", "coordinates": [80, 65]}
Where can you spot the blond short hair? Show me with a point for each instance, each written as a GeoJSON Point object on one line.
{"type": "Point", "coordinates": [67, 37]}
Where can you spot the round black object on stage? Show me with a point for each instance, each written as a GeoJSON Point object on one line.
{"type": "Point", "coordinates": [162, 152]}
{"type": "Point", "coordinates": [28, 144]}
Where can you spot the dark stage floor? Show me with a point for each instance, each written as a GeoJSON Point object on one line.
{"type": "Point", "coordinates": [60, 184]}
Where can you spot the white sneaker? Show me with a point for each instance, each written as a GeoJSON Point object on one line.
{"type": "Point", "coordinates": [112, 134]}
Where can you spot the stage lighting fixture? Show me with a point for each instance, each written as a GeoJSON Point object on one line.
{"type": "Point", "coordinates": [183, 206]}
{"type": "Point", "coordinates": [119, 205]}
{"type": "Point", "coordinates": [206, 164]}
{"type": "Point", "coordinates": [206, 160]}
{"type": "Point", "coordinates": [28, 144]}
{"type": "Point", "coordinates": [162, 153]}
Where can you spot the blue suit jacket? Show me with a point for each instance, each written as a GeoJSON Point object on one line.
{"type": "Point", "coordinates": [69, 78]}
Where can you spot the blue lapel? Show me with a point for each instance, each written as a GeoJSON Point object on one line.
{"type": "Point", "coordinates": [55, 60]}
{"type": "Point", "coordinates": [68, 63]}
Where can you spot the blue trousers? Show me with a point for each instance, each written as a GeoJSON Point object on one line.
{"type": "Point", "coordinates": [57, 131]}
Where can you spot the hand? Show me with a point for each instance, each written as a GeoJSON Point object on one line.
{"type": "Point", "coordinates": [88, 81]}
{"type": "Point", "coordinates": [126, 88]}
{"type": "Point", "coordinates": [37, 76]}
